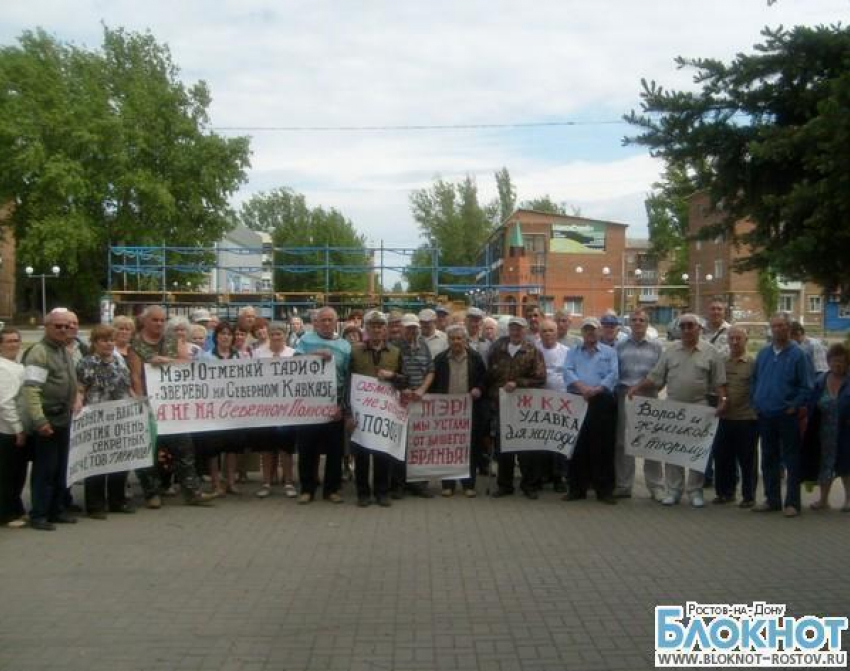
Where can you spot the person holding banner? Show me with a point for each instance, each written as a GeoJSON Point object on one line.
{"type": "Point", "coordinates": [461, 370]}
{"type": "Point", "coordinates": [276, 440]}
{"type": "Point", "coordinates": [591, 371]}
{"type": "Point", "coordinates": [50, 396]}
{"type": "Point", "coordinates": [555, 356]}
{"type": "Point", "coordinates": [636, 357]}
{"type": "Point", "coordinates": [13, 438]}
{"type": "Point", "coordinates": [151, 346]}
{"type": "Point", "coordinates": [378, 359]}
{"type": "Point", "coordinates": [693, 372]}
{"type": "Point", "coordinates": [328, 437]}
{"type": "Point", "coordinates": [515, 363]}
{"type": "Point", "coordinates": [102, 376]}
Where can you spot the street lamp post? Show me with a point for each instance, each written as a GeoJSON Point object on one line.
{"type": "Point", "coordinates": [43, 276]}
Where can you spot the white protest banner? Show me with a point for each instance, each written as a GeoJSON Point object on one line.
{"type": "Point", "coordinates": [212, 395]}
{"type": "Point", "coordinates": [674, 433]}
{"type": "Point", "coordinates": [109, 438]}
{"type": "Point", "coordinates": [539, 419]}
{"type": "Point", "coordinates": [439, 428]}
{"type": "Point", "coordinates": [381, 419]}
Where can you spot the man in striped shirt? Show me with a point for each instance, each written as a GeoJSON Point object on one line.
{"type": "Point", "coordinates": [637, 355]}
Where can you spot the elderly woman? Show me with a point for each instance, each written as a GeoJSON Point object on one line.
{"type": "Point", "coordinates": [828, 431]}
{"type": "Point", "coordinates": [125, 329]}
{"type": "Point", "coordinates": [13, 455]}
{"type": "Point", "coordinates": [102, 376]}
{"type": "Point", "coordinates": [352, 333]}
{"type": "Point", "coordinates": [177, 331]}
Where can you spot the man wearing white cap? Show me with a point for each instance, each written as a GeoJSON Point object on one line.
{"type": "Point", "coordinates": [437, 341]}
{"type": "Point", "coordinates": [515, 363]}
{"type": "Point", "coordinates": [476, 339]}
{"type": "Point", "coordinates": [692, 371]}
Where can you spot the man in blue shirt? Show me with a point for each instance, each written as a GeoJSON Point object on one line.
{"type": "Point", "coordinates": [328, 438]}
{"type": "Point", "coordinates": [591, 371]}
{"type": "Point", "coordinates": [780, 385]}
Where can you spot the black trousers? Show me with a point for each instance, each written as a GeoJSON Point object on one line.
{"type": "Point", "coordinates": [530, 468]}
{"type": "Point", "coordinates": [314, 440]}
{"type": "Point", "coordinates": [49, 474]}
{"type": "Point", "coordinates": [735, 447]}
{"type": "Point", "coordinates": [13, 477]}
{"type": "Point", "coordinates": [593, 458]}
{"type": "Point", "coordinates": [104, 491]}
{"type": "Point", "coordinates": [363, 458]}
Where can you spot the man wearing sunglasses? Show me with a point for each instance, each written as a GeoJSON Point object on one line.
{"type": "Point", "coordinates": [50, 393]}
{"type": "Point", "coordinates": [693, 372]}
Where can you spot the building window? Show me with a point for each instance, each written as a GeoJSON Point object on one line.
{"type": "Point", "coordinates": [815, 303]}
{"type": "Point", "coordinates": [718, 269]}
{"type": "Point", "coordinates": [574, 305]}
{"type": "Point", "coordinates": [699, 245]}
{"type": "Point", "coordinates": [547, 305]}
{"type": "Point", "coordinates": [786, 302]}
{"type": "Point", "coordinates": [844, 311]}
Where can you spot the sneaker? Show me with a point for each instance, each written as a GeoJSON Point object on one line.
{"type": "Point", "coordinates": [290, 491]}
{"type": "Point", "coordinates": [154, 503]}
{"type": "Point", "coordinates": [470, 493]}
{"type": "Point", "coordinates": [447, 493]}
{"type": "Point", "coordinates": [304, 499]}
{"type": "Point", "coordinates": [16, 524]}
{"type": "Point", "coordinates": [263, 492]}
{"type": "Point", "coordinates": [670, 500]}
{"type": "Point", "coordinates": [790, 511]}
{"type": "Point", "coordinates": [697, 501]}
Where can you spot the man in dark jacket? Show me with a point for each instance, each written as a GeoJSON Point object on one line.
{"type": "Point", "coordinates": [461, 370]}
{"type": "Point", "coordinates": [515, 363]}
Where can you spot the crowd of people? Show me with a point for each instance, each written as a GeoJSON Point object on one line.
{"type": "Point", "coordinates": [792, 399]}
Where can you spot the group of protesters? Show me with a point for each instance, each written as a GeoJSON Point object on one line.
{"type": "Point", "coordinates": [793, 399]}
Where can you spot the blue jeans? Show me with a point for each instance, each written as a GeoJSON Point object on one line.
{"type": "Point", "coordinates": [780, 445]}
{"type": "Point", "coordinates": [49, 474]}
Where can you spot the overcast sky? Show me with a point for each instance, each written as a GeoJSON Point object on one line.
{"type": "Point", "coordinates": [391, 63]}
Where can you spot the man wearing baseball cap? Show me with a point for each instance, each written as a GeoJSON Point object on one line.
{"type": "Point", "coordinates": [515, 363]}
{"type": "Point", "coordinates": [591, 371]}
{"type": "Point", "coordinates": [437, 341]}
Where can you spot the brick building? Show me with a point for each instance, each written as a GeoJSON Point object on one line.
{"type": "Point", "coordinates": [555, 261]}
{"type": "Point", "coordinates": [711, 275]}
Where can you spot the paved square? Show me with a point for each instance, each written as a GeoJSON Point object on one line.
{"type": "Point", "coordinates": [495, 585]}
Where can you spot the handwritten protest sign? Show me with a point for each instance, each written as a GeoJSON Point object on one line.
{"type": "Point", "coordinates": [438, 437]}
{"type": "Point", "coordinates": [109, 438]}
{"type": "Point", "coordinates": [674, 433]}
{"type": "Point", "coordinates": [212, 395]}
{"type": "Point", "coordinates": [539, 419]}
{"type": "Point", "coordinates": [381, 419]}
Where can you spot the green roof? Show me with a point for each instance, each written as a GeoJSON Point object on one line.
{"type": "Point", "coordinates": [516, 237]}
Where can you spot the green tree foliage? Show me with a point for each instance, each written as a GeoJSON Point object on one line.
{"type": "Point", "coordinates": [772, 128]}
{"type": "Point", "coordinates": [505, 205]}
{"type": "Point", "coordinates": [545, 204]}
{"type": "Point", "coordinates": [285, 215]}
{"type": "Point", "coordinates": [106, 147]}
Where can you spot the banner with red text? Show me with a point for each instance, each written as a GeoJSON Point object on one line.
{"type": "Point", "coordinates": [539, 419]}
{"type": "Point", "coordinates": [439, 430]}
{"type": "Point", "coordinates": [380, 418]}
{"type": "Point", "coordinates": [235, 394]}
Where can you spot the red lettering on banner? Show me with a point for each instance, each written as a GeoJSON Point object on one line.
{"type": "Point", "coordinates": [546, 403]}
{"type": "Point", "coordinates": [565, 406]}
{"type": "Point", "coordinates": [524, 402]}
{"type": "Point", "coordinates": [204, 410]}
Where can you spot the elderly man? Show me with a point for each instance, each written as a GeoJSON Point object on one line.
{"type": "Point", "coordinates": [515, 363]}
{"type": "Point", "coordinates": [813, 349]}
{"type": "Point", "coordinates": [151, 346]}
{"type": "Point", "coordinates": [693, 372]}
{"type": "Point", "coordinates": [533, 316]}
{"type": "Point", "coordinates": [395, 331]}
{"type": "Point", "coordinates": [204, 318]}
{"type": "Point", "coordinates": [436, 340]}
{"type": "Point", "coordinates": [296, 331]}
{"type": "Point", "coordinates": [13, 439]}
{"type": "Point", "coordinates": [555, 357]}
{"type": "Point", "coordinates": [563, 322]}
{"type": "Point", "coordinates": [443, 316]}
{"type": "Point", "coordinates": [50, 395]}
{"type": "Point", "coordinates": [417, 374]}
{"type": "Point", "coordinates": [460, 370]}
{"type": "Point", "coordinates": [475, 332]}
{"type": "Point", "coordinates": [378, 359]}
{"type": "Point", "coordinates": [611, 334]}
{"type": "Point", "coordinates": [737, 434]}
{"type": "Point", "coordinates": [781, 383]}
{"type": "Point", "coordinates": [716, 327]}
{"type": "Point", "coordinates": [329, 438]}
{"type": "Point", "coordinates": [637, 356]}
{"type": "Point", "coordinates": [591, 371]}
